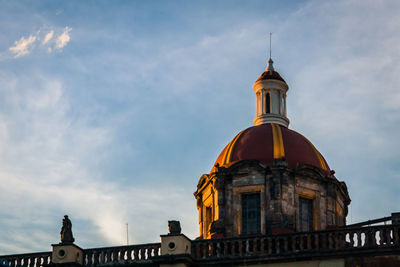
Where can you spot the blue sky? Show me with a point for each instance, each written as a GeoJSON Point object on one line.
{"type": "Point", "coordinates": [111, 111]}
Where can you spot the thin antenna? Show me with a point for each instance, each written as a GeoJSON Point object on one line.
{"type": "Point", "coordinates": [127, 234]}
{"type": "Point", "coordinates": [270, 45]}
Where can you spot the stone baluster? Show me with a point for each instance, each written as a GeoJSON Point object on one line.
{"type": "Point", "coordinates": [102, 257]}
{"type": "Point", "coordinates": [204, 250]}
{"type": "Point", "coordinates": [87, 257]}
{"type": "Point", "coordinates": [97, 257]}
{"type": "Point", "coordinates": [294, 243]}
{"type": "Point", "coordinates": [308, 241]}
{"type": "Point", "coordinates": [285, 244]}
{"type": "Point", "coordinates": [262, 245]}
{"type": "Point", "coordinates": [122, 255]}
{"type": "Point", "coordinates": [396, 235]}
{"type": "Point", "coordinates": [225, 250]}
{"type": "Point", "coordinates": [219, 249]}
{"type": "Point", "coordinates": [112, 256]}
{"type": "Point", "coordinates": [389, 239]}
{"type": "Point", "coordinates": [342, 243]}
{"type": "Point", "coordinates": [381, 237]}
{"type": "Point", "coordinates": [150, 252]}
{"type": "Point", "coordinates": [277, 245]}
{"type": "Point", "coordinates": [269, 240]}
{"type": "Point", "coordinates": [317, 245]}
{"type": "Point", "coordinates": [240, 248]}
{"type": "Point", "coordinates": [351, 235]}
{"type": "Point", "coordinates": [330, 242]}
{"type": "Point", "coordinates": [109, 253]}
{"type": "Point", "coordinates": [129, 254]}
{"type": "Point", "coordinates": [136, 253]}
{"type": "Point", "coordinates": [359, 240]}
{"type": "Point", "coordinates": [301, 244]}
{"type": "Point", "coordinates": [335, 239]}
{"type": "Point", "coordinates": [211, 251]}
{"type": "Point", "coordinates": [141, 253]}
{"type": "Point", "coordinates": [198, 251]}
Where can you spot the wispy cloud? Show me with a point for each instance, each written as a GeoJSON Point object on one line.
{"type": "Point", "coordinates": [64, 38]}
{"type": "Point", "coordinates": [48, 37]}
{"type": "Point", "coordinates": [23, 46]}
{"type": "Point", "coordinates": [49, 40]}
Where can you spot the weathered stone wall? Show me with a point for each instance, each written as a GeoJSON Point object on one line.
{"type": "Point", "coordinates": [280, 188]}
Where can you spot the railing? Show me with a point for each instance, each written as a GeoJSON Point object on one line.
{"type": "Point", "coordinates": [374, 239]}
{"type": "Point", "coordinates": [370, 222]}
{"type": "Point", "coordinates": [91, 256]}
{"type": "Point", "coordinates": [28, 260]}
{"type": "Point", "coordinates": [120, 254]}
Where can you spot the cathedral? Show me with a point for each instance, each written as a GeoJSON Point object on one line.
{"type": "Point", "coordinates": [270, 199]}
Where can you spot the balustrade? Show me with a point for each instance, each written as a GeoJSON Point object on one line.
{"type": "Point", "coordinates": [120, 254]}
{"type": "Point", "coordinates": [319, 242]}
{"type": "Point", "coordinates": [333, 242]}
{"type": "Point", "coordinates": [28, 260]}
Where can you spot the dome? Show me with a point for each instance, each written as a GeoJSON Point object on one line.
{"type": "Point", "coordinates": [270, 75]}
{"type": "Point", "coordinates": [270, 142]}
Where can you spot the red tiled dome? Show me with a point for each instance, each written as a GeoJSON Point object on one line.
{"type": "Point", "coordinates": [269, 142]}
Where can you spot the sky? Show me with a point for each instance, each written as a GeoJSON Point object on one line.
{"type": "Point", "coordinates": [110, 111]}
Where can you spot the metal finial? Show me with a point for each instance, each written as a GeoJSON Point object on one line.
{"type": "Point", "coordinates": [270, 62]}
{"type": "Point", "coordinates": [270, 45]}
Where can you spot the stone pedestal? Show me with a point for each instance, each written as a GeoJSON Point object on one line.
{"type": "Point", "coordinates": [66, 253]}
{"type": "Point", "coordinates": [175, 244]}
{"type": "Point", "coordinates": [175, 251]}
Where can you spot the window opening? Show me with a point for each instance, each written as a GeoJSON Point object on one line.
{"type": "Point", "coordinates": [306, 214]}
{"type": "Point", "coordinates": [208, 218]}
{"type": "Point", "coordinates": [251, 214]}
{"type": "Point", "coordinates": [267, 103]}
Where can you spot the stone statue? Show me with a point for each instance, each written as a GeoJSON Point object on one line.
{"type": "Point", "coordinates": [66, 231]}
{"type": "Point", "coordinates": [174, 227]}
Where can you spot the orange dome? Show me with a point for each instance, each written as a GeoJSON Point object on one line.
{"type": "Point", "coordinates": [270, 142]}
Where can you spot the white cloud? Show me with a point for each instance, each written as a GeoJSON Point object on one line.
{"type": "Point", "coordinates": [64, 38]}
{"type": "Point", "coordinates": [23, 46]}
{"type": "Point", "coordinates": [48, 37]}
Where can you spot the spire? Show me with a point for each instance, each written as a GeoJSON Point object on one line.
{"type": "Point", "coordinates": [269, 65]}
{"type": "Point", "coordinates": [270, 61]}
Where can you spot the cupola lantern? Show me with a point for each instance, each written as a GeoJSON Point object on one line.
{"type": "Point", "coordinates": [270, 89]}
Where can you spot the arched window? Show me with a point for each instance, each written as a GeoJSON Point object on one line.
{"type": "Point", "coordinates": [267, 103]}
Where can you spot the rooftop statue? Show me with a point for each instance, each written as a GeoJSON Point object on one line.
{"type": "Point", "coordinates": [174, 227]}
{"type": "Point", "coordinates": [66, 231]}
